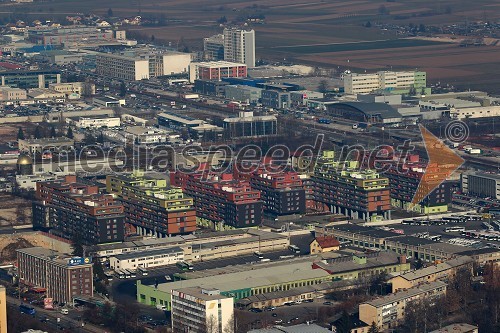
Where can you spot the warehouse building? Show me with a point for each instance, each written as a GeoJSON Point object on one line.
{"type": "Point", "coordinates": [145, 259]}
{"type": "Point", "coordinates": [365, 112]}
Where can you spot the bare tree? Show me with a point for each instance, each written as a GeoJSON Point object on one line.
{"type": "Point", "coordinates": [212, 325]}
{"type": "Point", "coordinates": [230, 326]}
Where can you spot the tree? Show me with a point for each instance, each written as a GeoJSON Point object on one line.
{"type": "Point", "coordinates": [323, 86]}
{"type": "Point", "coordinates": [212, 325]}
{"type": "Point", "coordinates": [373, 328]}
{"type": "Point", "coordinates": [222, 20]}
{"type": "Point", "coordinates": [368, 24]}
{"type": "Point", "coordinates": [69, 133]}
{"type": "Point", "coordinates": [230, 326]}
{"type": "Point", "coordinates": [152, 40]}
{"type": "Point", "coordinates": [110, 12]}
{"type": "Point", "coordinates": [123, 89]}
{"type": "Point", "coordinates": [38, 132]}
{"type": "Point", "coordinates": [421, 28]}
{"type": "Point", "coordinates": [53, 133]}
{"type": "Point", "coordinates": [20, 134]}
{"type": "Point", "coordinates": [77, 246]}
{"type": "Point", "coordinates": [344, 324]}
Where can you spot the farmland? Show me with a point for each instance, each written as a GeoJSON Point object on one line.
{"type": "Point", "coordinates": [330, 33]}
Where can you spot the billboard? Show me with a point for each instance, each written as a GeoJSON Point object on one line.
{"type": "Point", "coordinates": [48, 303]}
{"type": "Point", "coordinates": [79, 261]}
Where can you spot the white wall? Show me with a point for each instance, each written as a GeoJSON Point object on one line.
{"type": "Point", "coordinates": [176, 63]}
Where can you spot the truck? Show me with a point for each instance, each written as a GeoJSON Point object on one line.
{"type": "Point", "coordinates": [474, 151]}
{"type": "Point", "coordinates": [190, 96]}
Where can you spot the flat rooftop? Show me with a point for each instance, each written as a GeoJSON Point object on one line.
{"type": "Point", "coordinates": [141, 254]}
{"type": "Point", "coordinates": [199, 293]}
{"type": "Point", "coordinates": [404, 294]}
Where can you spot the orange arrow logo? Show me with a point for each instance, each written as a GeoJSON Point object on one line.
{"type": "Point", "coordinates": [443, 161]}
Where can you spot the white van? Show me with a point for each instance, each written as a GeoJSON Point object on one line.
{"type": "Point", "coordinates": [64, 311]}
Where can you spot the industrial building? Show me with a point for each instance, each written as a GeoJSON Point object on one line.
{"type": "Point", "coordinates": [46, 35]}
{"type": "Point", "coordinates": [152, 207]}
{"type": "Point", "coordinates": [95, 122]}
{"type": "Point", "coordinates": [361, 194]}
{"type": "Point", "coordinates": [210, 87]}
{"type": "Point", "coordinates": [67, 208]}
{"type": "Point", "coordinates": [444, 270]}
{"type": "Point", "coordinates": [481, 184]}
{"type": "Point", "coordinates": [243, 94]}
{"type": "Point", "coordinates": [377, 113]}
{"type": "Point", "coordinates": [25, 79]}
{"type": "Point", "coordinates": [239, 46]}
{"type": "Point", "coordinates": [301, 97]}
{"type": "Point", "coordinates": [216, 70]}
{"type": "Point", "coordinates": [221, 201]}
{"type": "Point", "coordinates": [146, 135]}
{"type": "Point", "coordinates": [388, 81]}
{"type": "Point", "coordinates": [248, 125]}
{"type": "Point", "coordinates": [180, 122]}
{"type": "Point", "coordinates": [199, 310]}
{"type": "Point", "coordinates": [62, 276]}
{"type": "Point", "coordinates": [276, 99]}
{"type": "Point", "coordinates": [386, 311]}
{"type": "Point", "coordinates": [474, 112]}
{"type": "Point", "coordinates": [213, 48]}
{"type": "Point", "coordinates": [265, 278]}
{"type": "Point", "coordinates": [152, 258]}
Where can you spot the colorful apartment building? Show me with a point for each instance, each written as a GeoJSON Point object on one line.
{"type": "Point", "coordinates": [152, 206]}
{"type": "Point", "coordinates": [70, 208]}
{"type": "Point", "coordinates": [351, 190]}
{"type": "Point", "coordinates": [221, 200]}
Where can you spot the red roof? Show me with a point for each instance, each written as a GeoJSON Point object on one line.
{"type": "Point", "coordinates": [9, 65]}
{"type": "Point", "coordinates": [327, 241]}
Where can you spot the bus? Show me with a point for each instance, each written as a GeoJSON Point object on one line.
{"type": "Point", "coordinates": [120, 274]}
{"type": "Point", "coordinates": [27, 309]}
{"type": "Point", "coordinates": [258, 255]}
{"type": "Point", "coordinates": [127, 273]}
{"type": "Point", "coordinates": [143, 271]}
{"type": "Point", "coordinates": [294, 248]}
{"type": "Point", "coordinates": [109, 276]}
{"type": "Point", "coordinates": [184, 266]}
{"type": "Point", "coordinates": [133, 274]}
{"type": "Point", "coordinates": [454, 229]}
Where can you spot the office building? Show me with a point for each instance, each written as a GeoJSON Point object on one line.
{"type": "Point", "coordinates": [386, 311]}
{"type": "Point", "coordinates": [239, 46]}
{"type": "Point", "coordinates": [394, 82]}
{"type": "Point", "coordinates": [282, 192]}
{"type": "Point", "coordinates": [221, 201]}
{"type": "Point", "coordinates": [78, 88]}
{"type": "Point", "coordinates": [46, 35]}
{"type": "Point", "coordinates": [275, 99]}
{"type": "Point", "coordinates": [213, 48]}
{"type": "Point", "coordinates": [68, 208]}
{"type": "Point", "coordinates": [347, 190]}
{"type": "Point", "coordinates": [248, 125]}
{"type": "Point", "coordinates": [216, 70]}
{"type": "Point", "coordinates": [25, 79]}
{"type": "Point", "coordinates": [141, 64]}
{"type": "Point", "coordinates": [152, 207]}
{"type": "Point", "coordinates": [63, 277]}
{"type": "Point", "coordinates": [146, 135]}
{"type": "Point", "coordinates": [301, 97]}
{"type": "Point", "coordinates": [95, 122]}
{"type": "Point", "coordinates": [481, 184]}
{"type": "Point", "coordinates": [38, 146]}
{"type": "Point", "coordinates": [200, 310]}
{"type": "Point", "coordinates": [3, 310]}
{"type": "Point", "coordinates": [181, 122]}
{"type": "Point", "coordinates": [210, 87]}
{"type": "Point", "coordinates": [12, 94]}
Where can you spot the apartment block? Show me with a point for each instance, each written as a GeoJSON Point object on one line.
{"type": "Point", "coordinates": [388, 310]}
{"type": "Point", "coordinates": [152, 207]}
{"type": "Point", "coordinates": [62, 276]}
{"type": "Point", "coordinates": [122, 67]}
{"type": "Point", "coordinates": [221, 201]}
{"type": "Point", "coordinates": [216, 70]}
{"type": "Point", "coordinates": [239, 46]}
{"type": "Point", "coordinates": [282, 193]}
{"type": "Point", "coordinates": [349, 190]}
{"type": "Point", "coordinates": [201, 310]}
{"type": "Point", "coordinates": [68, 208]}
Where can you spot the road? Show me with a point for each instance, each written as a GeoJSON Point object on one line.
{"type": "Point", "coordinates": [67, 321]}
